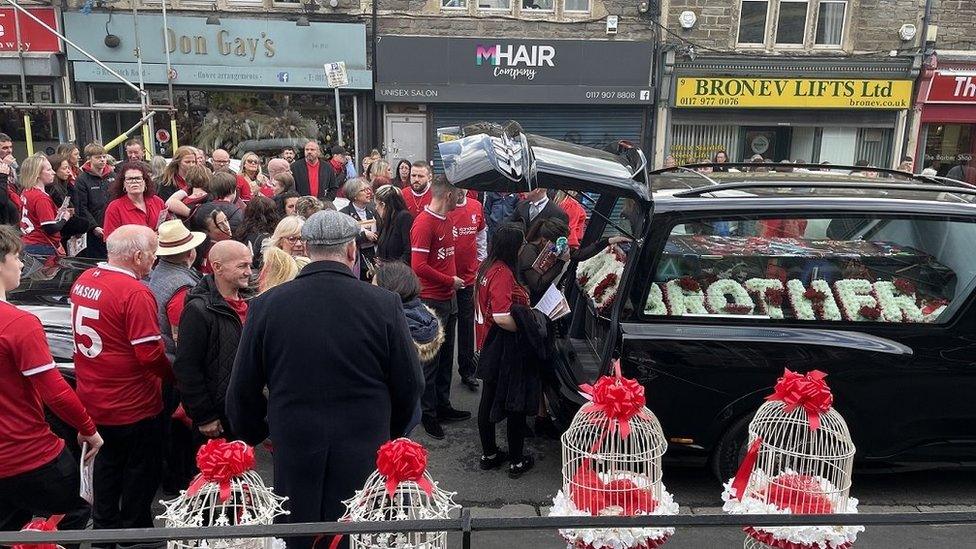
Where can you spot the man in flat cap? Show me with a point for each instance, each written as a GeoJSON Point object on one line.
{"type": "Point", "coordinates": [341, 370]}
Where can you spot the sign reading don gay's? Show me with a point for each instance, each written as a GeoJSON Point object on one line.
{"type": "Point", "coordinates": [792, 93]}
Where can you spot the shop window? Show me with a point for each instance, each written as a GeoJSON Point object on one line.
{"type": "Point", "coordinates": [950, 150]}
{"type": "Point", "coordinates": [577, 6]}
{"type": "Point", "coordinates": [792, 23]}
{"type": "Point", "coordinates": [817, 269]}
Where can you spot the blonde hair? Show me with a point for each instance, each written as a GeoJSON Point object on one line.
{"type": "Point", "coordinates": [288, 226]}
{"type": "Point", "coordinates": [307, 205]}
{"type": "Point", "coordinates": [279, 267]}
{"type": "Point", "coordinates": [30, 171]}
{"type": "Point", "coordinates": [244, 165]}
{"type": "Point", "coordinates": [169, 174]}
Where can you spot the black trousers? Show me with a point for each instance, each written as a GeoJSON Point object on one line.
{"type": "Point", "coordinates": [50, 489]}
{"type": "Point", "coordinates": [438, 372]}
{"type": "Point", "coordinates": [127, 473]}
{"type": "Point", "coordinates": [465, 331]}
{"type": "Point", "coordinates": [514, 426]}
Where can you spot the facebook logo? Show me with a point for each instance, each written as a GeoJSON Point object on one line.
{"type": "Point", "coordinates": [645, 95]}
{"type": "Point", "coordinates": [283, 77]}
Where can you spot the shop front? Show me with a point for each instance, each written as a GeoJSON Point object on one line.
{"type": "Point", "coordinates": [816, 119]}
{"type": "Point", "coordinates": [238, 84]}
{"type": "Point", "coordinates": [588, 92]}
{"type": "Point", "coordinates": [947, 138]}
{"type": "Point", "coordinates": [42, 67]}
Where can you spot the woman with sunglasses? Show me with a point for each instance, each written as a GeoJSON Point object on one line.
{"type": "Point", "coordinates": [251, 179]}
{"type": "Point", "coordinates": [134, 199]}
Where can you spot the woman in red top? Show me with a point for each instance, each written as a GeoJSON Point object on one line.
{"type": "Point", "coordinates": [251, 179]}
{"type": "Point", "coordinates": [71, 152]}
{"type": "Point", "coordinates": [41, 222]}
{"type": "Point", "coordinates": [197, 192]}
{"type": "Point", "coordinates": [496, 292]}
{"type": "Point", "coordinates": [134, 199]}
{"type": "Point", "coordinates": [174, 176]}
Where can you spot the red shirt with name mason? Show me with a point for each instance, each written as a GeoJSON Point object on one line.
{"type": "Point", "coordinates": [432, 255]}
{"type": "Point", "coordinates": [119, 354]}
{"type": "Point", "coordinates": [468, 220]}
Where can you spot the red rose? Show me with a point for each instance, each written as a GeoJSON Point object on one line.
{"type": "Point", "coordinates": [814, 295]}
{"type": "Point", "coordinates": [801, 494]}
{"type": "Point", "coordinates": [774, 296]}
{"type": "Point", "coordinates": [689, 284]}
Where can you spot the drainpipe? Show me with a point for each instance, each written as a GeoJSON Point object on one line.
{"type": "Point", "coordinates": [913, 128]}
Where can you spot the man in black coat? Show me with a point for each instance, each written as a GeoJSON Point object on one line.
{"type": "Point", "coordinates": [341, 369]}
{"type": "Point", "coordinates": [536, 206]}
{"type": "Point", "coordinates": [210, 332]}
{"type": "Point", "coordinates": [91, 197]}
{"type": "Point", "coordinates": [323, 186]}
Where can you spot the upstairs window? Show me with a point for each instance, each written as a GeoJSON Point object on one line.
{"type": "Point", "coordinates": [792, 24]}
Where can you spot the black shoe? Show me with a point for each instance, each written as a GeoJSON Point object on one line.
{"type": "Point", "coordinates": [450, 414]}
{"type": "Point", "coordinates": [471, 383]}
{"type": "Point", "coordinates": [515, 470]}
{"type": "Point", "coordinates": [493, 462]}
{"type": "Point", "coordinates": [432, 427]}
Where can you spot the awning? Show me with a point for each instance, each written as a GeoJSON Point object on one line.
{"type": "Point", "coordinates": [952, 114]}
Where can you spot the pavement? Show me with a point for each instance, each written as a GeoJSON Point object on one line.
{"type": "Point", "coordinates": [454, 465]}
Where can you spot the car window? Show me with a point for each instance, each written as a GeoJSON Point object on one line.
{"type": "Point", "coordinates": [850, 268]}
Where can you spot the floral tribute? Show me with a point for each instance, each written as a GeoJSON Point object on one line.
{"type": "Point", "coordinates": [612, 467]}
{"type": "Point", "coordinates": [799, 461]}
{"type": "Point", "coordinates": [851, 299]}
{"type": "Point", "coordinates": [49, 524]}
{"type": "Point", "coordinates": [600, 275]}
{"type": "Point", "coordinates": [227, 492]}
{"type": "Point", "coordinates": [399, 489]}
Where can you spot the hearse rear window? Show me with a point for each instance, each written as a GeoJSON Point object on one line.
{"type": "Point", "coordinates": [863, 269]}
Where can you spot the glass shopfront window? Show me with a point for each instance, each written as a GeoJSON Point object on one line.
{"type": "Point", "coordinates": [950, 150]}
{"type": "Point", "coordinates": [238, 121]}
{"type": "Point", "coordinates": [44, 123]}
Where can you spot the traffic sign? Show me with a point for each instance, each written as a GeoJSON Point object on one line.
{"type": "Point", "coordinates": [336, 74]}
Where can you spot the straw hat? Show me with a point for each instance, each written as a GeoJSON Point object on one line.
{"type": "Point", "coordinates": [175, 238]}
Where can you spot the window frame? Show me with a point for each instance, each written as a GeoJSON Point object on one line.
{"type": "Point", "coordinates": [774, 29]}
{"type": "Point", "coordinates": [738, 30]}
{"type": "Point", "coordinates": [773, 10]}
{"type": "Point", "coordinates": [588, 10]}
{"type": "Point", "coordinates": [530, 12]}
{"type": "Point", "coordinates": [509, 9]}
{"type": "Point", "coordinates": [843, 30]}
{"type": "Point", "coordinates": [455, 9]}
{"type": "Point", "coordinates": [653, 252]}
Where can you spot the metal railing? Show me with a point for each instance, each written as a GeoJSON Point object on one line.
{"type": "Point", "coordinates": [466, 525]}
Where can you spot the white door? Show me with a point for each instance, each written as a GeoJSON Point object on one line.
{"type": "Point", "coordinates": [406, 137]}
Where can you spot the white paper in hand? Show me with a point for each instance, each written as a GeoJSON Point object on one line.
{"type": "Point", "coordinates": [553, 303]}
{"type": "Point", "coordinates": [86, 488]}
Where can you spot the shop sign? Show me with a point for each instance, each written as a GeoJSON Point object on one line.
{"type": "Point", "coordinates": [221, 75]}
{"type": "Point", "coordinates": [33, 37]}
{"type": "Point", "coordinates": [952, 87]}
{"type": "Point", "coordinates": [499, 70]}
{"type": "Point", "coordinates": [792, 93]}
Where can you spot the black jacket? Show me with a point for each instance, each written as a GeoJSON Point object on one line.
{"type": "Point", "coordinates": [91, 196]}
{"type": "Point", "coordinates": [514, 361]}
{"type": "Point", "coordinates": [394, 241]}
{"type": "Point", "coordinates": [210, 332]}
{"type": "Point", "coordinates": [521, 214]}
{"type": "Point", "coordinates": [328, 184]}
{"type": "Point", "coordinates": [350, 210]}
{"type": "Point", "coordinates": [9, 212]}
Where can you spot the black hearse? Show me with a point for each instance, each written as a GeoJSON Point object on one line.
{"type": "Point", "coordinates": [866, 276]}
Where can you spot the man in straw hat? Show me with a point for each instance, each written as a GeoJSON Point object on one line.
{"type": "Point", "coordinates": [211, 325]}
{"type": "Point", "coordinates": [341, 370]}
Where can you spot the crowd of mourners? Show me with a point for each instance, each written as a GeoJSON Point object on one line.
{"type": "Point", "coordinates": [304, 302]}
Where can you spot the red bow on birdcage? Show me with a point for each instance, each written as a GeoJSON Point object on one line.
{"type": "Point", "coordinates": [220, 461]}
{"type": "Point", "coordinates": [402, 460]}
{"type": "Point", "coordinates": [49, 524]}
{"type": "Point", "coordinates": [807, 391]}
{"type": "Point", "coordinates": [619, 398]}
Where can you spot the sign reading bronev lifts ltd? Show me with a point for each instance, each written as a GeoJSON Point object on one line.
{"type": "Point", "coordinates": [792, 93]}
{"type": "Point", "coordinates": [237, 52]}
{"type": "Point", "coordinates": [414, 69]}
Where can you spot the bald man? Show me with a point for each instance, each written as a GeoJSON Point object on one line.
{"type": "Point", "coordinates": [220, 160]}
{"type": "Point", "coordinates": [119, 363]}
{"type": "Point", "coordinates": [210, 331]}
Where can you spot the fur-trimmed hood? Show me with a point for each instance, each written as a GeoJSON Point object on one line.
{"type": "Point", "coordinates": [425, 329]}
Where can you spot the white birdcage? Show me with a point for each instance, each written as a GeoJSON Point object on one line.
{"type": "Point", "coordinates": [400, 489]}
{"type": "Point", "coordinates": [227, 492]}
{"type": "Point", "coordinates": [611, 466]}
{"type": "Point", "coordinates": [799, 461]}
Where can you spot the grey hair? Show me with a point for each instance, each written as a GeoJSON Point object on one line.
{"type": "Point", "coordinates": [123, 243]}
{"type": "Point", "coordinates": [318, 251]}
{"type": "Point", "coordinates": [353, 186]}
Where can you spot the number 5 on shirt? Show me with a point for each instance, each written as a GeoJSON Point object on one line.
{"type": "Point", "coordinates": [78, 315]}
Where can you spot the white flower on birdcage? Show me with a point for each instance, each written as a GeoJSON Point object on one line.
{"type": "Point", "coordinates": [227, 492]}
{"type": "Point", "coordinates": [611, 466]}
{"type": "Point", "coordinates": [399, 489]}
{"type": "Point", "coordinates": [799, 461]}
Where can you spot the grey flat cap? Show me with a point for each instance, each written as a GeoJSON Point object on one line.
{"type": "Point", "coordinates": [329, 228]}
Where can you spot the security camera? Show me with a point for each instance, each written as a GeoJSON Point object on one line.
{"type": "Point", "coordinates": [334, 3]}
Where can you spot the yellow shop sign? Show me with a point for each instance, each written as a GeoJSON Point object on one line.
{"type": "Point", "coordinates": [793, 93]}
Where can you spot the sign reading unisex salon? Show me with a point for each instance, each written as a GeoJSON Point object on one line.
{"type": "Point", "coordinates": [497, 70]}
{"type": "Point", "coordinates": [237, 52]}
{"type": "Point", "coordinates": [793, 93]}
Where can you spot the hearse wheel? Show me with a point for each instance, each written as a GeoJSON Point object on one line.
{"type": "Point", "coordinates": [730, 449]}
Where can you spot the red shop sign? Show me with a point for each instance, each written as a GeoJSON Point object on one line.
{"type": "Point", "coordinates": [33, 36]}
{"type": "Point", "coordinates": [953, 87]}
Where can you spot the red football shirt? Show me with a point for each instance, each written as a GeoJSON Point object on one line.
{"type": "Point", "coordinates": [577, 220]}
{"type": "Point", "coordinates": [416, 202]}
{"type": "Point", "coordinates": [432, 255]}
{"type": "Point", "coordinates": [26, 440]}
{"type": "Point", "coordinates": [123, 211]}
{"type": "Point", "coordinates": [39, 210]}
{"type": "Point", "coordinates": [468, 220]}
{"type": "Point", "coordinates": [112, 312]}
{"type": "Point", "coordinates": [497, 292]}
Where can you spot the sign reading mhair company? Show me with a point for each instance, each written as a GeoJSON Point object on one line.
{"type": "Point", "coordinates": [792, 93]}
